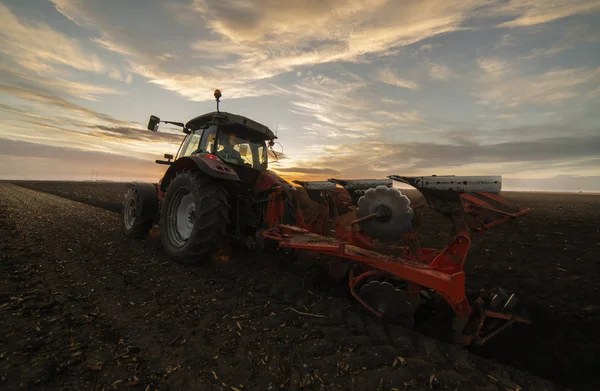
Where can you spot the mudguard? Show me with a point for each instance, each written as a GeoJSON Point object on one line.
{"type": "Point", "coordinates": [148, 207]}
{"type": "Point", "coordinates": [207, 163]}
{"type": "Point", "coordinates": [269, 179]}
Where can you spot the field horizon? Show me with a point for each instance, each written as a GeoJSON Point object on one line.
{"type": "Point", "coordinates": [100, 181]}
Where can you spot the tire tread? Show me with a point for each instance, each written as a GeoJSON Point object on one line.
{"type": "Point", "coordinates": [212, 217]}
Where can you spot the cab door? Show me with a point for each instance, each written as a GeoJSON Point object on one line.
{"type": "Point", "coordinates": [198, 141]}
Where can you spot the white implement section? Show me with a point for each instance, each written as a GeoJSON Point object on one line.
{"type": "Point", "coordinates": [316, 185]}
{"type": "Point", "coordinates": [465, 184]}
{"type": "Point", "coordinates": [354, 184]}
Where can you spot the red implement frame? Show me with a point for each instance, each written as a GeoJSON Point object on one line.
{"type": "Point", "coordinates": [440, 270]}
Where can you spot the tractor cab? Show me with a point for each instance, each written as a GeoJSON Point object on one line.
{"type": "Point", "coordinates": [225, 138]}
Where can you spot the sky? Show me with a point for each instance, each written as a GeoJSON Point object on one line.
{"type": "Point", "coordinates": [353, 88]}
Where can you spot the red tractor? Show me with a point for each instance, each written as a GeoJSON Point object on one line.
{"type": "Point", "coordinates": [219, 190]}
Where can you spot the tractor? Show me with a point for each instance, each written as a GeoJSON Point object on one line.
{"type": "Point", "coordinates": [219, 191]}
{"type": "Point", "coordinates": [216, 191]}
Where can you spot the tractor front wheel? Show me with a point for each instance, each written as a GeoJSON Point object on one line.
{"type": "Point", "coordinates": [194, 218]}
{"type": "Point", "coordinates": [133, 223]}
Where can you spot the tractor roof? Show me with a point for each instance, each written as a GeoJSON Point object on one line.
{"type": "Point", "coordinates": [224, 118]}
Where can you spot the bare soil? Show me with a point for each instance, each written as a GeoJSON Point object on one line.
{"type": "Point", "coordinates": [81, 307]}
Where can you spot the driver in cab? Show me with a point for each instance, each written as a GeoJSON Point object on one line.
{"type": "Point", "coordinates": [228, 153]}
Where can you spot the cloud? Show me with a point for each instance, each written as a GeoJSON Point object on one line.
{"type": "Point", "coordinates": [493, 67]}
{"type": "Point", "coordinates": [503, 84]}
{"type": "Point", "coordinates": [440, 72]}
{"type": "Point", "coordinates": [116, 74]}
{"type": "Point", "coordinates": [83, 128]}
{"type": "Point", "coordinates": [37, 161]}
{"type": "Point", "coordinates": [395, 102]}
{"type": "Point", "coordinates": [506, 116]}
{"type": "Point", "coordinates": [387, 76]}
{"type": "Point", "coordinates": [581, 32]}
{"type": "Point", "coordinates": [556, 154]}
{"type": "Point", "coordinates": [341, 108]}
{"type": "Point", "coordinates": [568, 36]}
{"type": "Point", "coordinates": [547, 52]}
{"type": "Point", "coordinates": [337, 108]}
{"type": "Point", "coordinates": [38, 47]}
{"type": "Point", "coordinates": [239, 46]}
{"type": "Point", "coordinates": [56, 84]}
{"type": "Point", "coordinates": [110, 46]}
{"type": "Point", "coordinates": [258, 40]}
{"type": "Point", "coordinates": [42, 50]}
{"type": "Point", "coordinates": [533, 12]}
{"type": "Point", "coordinates": [353, 26]}
{"type": "Point", "coordinates": [401, 117]}
{"type": "Point", "coordinates": [33, 53]}
{"type": "Point", "coordinates": [31, 95]}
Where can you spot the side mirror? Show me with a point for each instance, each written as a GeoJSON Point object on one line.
{"type": "Point", "coordinates": [167, 156]}
{"type": "Point", "coordinates": [153, 123]}
{"type": "Point", "coordinates": [244, 149]}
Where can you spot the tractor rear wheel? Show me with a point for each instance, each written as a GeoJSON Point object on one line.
{"type": "Point", "coordinates": [194, 218]}
{"type": "Point", "coordinates": [133, 225]}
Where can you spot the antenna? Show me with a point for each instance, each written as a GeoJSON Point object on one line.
{"type": "Point", "coordinates": [217, 98]}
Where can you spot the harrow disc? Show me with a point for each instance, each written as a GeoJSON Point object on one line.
{"type": "Point", "coordinates": [395, 210]}
{"type": "Point", "coordinates": [390, 301]}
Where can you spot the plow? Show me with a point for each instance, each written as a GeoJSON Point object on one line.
{"type": "Point", "coordinates": [218, 192]}
{"type": "Point", "coordinates": [394, 286]}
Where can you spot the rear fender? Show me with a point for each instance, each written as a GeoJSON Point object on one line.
{"type": "Point", "coordinates": [269, 180]}
{"type": "Point", "coordinates": [148, 195]}
{"type": "Point", "coordinates": [207, 163]}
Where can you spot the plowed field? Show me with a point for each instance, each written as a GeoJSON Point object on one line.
{"type": "Point", "coordinates": [83, 308]}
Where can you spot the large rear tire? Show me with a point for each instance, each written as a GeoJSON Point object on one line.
{"type": "Point", "coordinates": [194, 218]}
{"type": "Point", "coordinates": [134, 225]}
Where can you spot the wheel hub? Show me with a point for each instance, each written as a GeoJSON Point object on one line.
{"type": "Point", "coordinates": [184, 216]}
{"type": "Point", "coordinates": [130, 213]}
{"type": "Point", "coordinates": [384, 213]}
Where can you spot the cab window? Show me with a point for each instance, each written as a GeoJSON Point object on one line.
{"type": "Point", "coordinates": [200, 140]}
{"type": "Point", "coordinates": [262, 157]}
{"type": "Point", "coordinates": [238, 148]}
{"type": "Point", "coordinates": [191, 143]}
{"type": "Point", "coordinates": [209, 135]}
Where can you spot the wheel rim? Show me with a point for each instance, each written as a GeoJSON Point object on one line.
{"type": "Point", "coordinates": [129, 213]}
{"type": "Point", "coordinates": [181, 217]}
